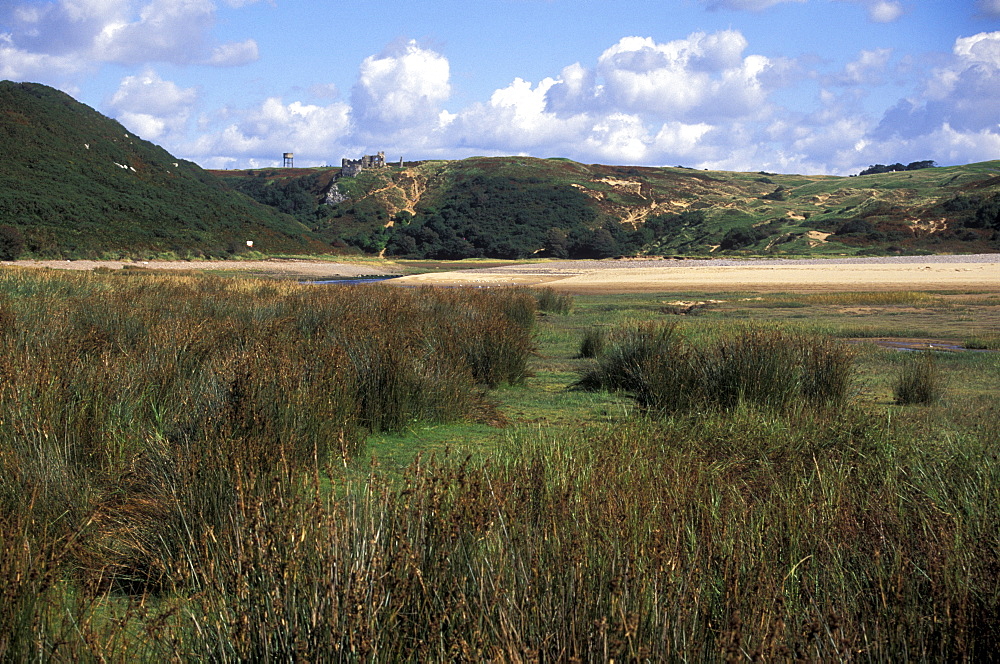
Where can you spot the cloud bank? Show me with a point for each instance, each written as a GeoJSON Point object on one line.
{"type": "Point", "coordinates": [706, 100]}
{"type": "Point", "coordinates": [64, 37]}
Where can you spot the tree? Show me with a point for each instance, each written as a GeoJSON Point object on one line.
{"type": "Point", "coordinates": [912, 166]}
{"type": "Point", "coordinates": [737, 238]}
{"type": "Point", "coordinates": [855, 226]}
{"type": "Point", "coordinates": [556, 243]}
{"type": "Point", "coordinates": [11, 243]}
{"type": "Point", "coordinates": [601, 244]}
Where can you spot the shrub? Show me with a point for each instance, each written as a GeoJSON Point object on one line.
{"type": "Point", "coordinates": [11, 243]}
{"type": "Point", "coordinates": [738, 238]}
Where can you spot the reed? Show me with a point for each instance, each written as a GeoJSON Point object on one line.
{"type": "Point", "coordinates": [137, 412]}
{"type": "Point", "coordinates": [765, 366]}
{"type": "Point", "coordinates": [918, 381]}
{"type": "Point", "coordinates": [744, 537]}
{"type": "Point", "coordinates": [551, 301]}
{"type": "Point", "coordinates": [173, 487]}
{"type": "Point", "coordinates": [593, 342]}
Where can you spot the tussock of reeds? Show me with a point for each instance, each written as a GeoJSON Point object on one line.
{"type": "Point", "coordinates": [764, 366]}
{"type": "Point", "coordinates": [593, 342]}
{"type": "Point", "coordinates": [551, 301]}
{"type": "Point", "coordinates": [918, 381]}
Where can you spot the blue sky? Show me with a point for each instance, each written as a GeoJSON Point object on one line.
{"type": "Point", "coordinates": [792, 86]}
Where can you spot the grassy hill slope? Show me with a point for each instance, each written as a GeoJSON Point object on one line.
{"type": "Point", "coordinates": [507, 207]}
{"type": "Point", "coordinates": [74, 183]}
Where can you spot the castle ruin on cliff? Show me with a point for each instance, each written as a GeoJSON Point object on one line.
{"type": "Point", "coordinates": [351, 167]}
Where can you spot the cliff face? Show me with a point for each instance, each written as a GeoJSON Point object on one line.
{"type": "Point", "coordinates": [75, 183]}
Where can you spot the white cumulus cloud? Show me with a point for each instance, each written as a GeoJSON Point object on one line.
{"type": "Point", "coordinates": [163, 30]}
{"type": "Point", "coordinates": [18, 64]}
{"type": "Point", "coordinates": [68, 36]}
{"type": "Point", "coordinates": [234, 54]}
{"type": "Point", "coordinates": [401, 89]}
{"type": "Point", "coordinates": [704, 76]}
{"type": "Point", "coordinates": [868, 70]}
{"type": "Point", "coordinates": [258, 136]}
{"type": "Point", "coordinates": [884, 11]}
{"type": "Point", "coordinates": [514, 120]}
{"type": "Point", "coordinates": [988, 7]}
{"type": "Point", "coordinates": [953, 117]}
{"type": "Point", "coordinates": [983, 48]}
{"type": "Point", "coordinates": [152, 107]}
{"type": "Point", "coordinates": [643, 102]}
{"type": "Point", "coordinates": [881, 11]}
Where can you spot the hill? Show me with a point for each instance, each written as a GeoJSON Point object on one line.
{"type": "Point", "coordinates": [515, 207]}
{"type": "Point", "coordinates": [76, 184]}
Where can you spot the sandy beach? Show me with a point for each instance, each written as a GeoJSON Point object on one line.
{"type": "Point", "coordinates": [972, 272]}
{"type": "Point", "coordinates": [980, 272]}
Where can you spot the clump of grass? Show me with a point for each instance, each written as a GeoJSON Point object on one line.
{"type": "Point", "coordinates": [919, 381]}
{"type": "Point", "coordinates": [989, 341]}
{"type": "Point", "coordinates": [593, 342]}
{"type": "Point", "coordinates": [911, 298]}
{"type": "Point", "coordinates": [764, 366]}
{"type": "Point", "coordinates": [551, 301]}
{"type": "Point", "coordinates": [628, 353]}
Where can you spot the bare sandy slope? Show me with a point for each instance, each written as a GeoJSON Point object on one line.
{"type": "Point", "coordinates": [292, 268]}
{"type": "Point", "coordinates": [927, 273]}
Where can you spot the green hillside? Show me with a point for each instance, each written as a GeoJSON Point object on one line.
{"type": "Point", "coordinates": [74, 183]}
{"type": "Point", "coordinates": [515, 207]}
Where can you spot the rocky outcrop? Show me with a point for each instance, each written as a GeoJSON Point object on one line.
{"type": "Point", "coordinates": [333, 196]}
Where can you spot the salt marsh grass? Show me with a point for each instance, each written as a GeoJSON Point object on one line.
{"type": "Point", "coordinates": [877, 298]}
{"type": "Point", "coordinates": [182, 477]}
{"type": "Point", "coordinates": [983, 341]}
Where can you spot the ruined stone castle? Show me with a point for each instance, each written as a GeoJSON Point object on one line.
{"type": "Point", "coordinates": [351, 167]}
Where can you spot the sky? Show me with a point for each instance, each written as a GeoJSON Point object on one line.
{"type": "Point", "coordinates": [786, 86]}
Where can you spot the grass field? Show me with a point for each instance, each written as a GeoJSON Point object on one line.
{"type": "Point", "coordinates": [186, 473]}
